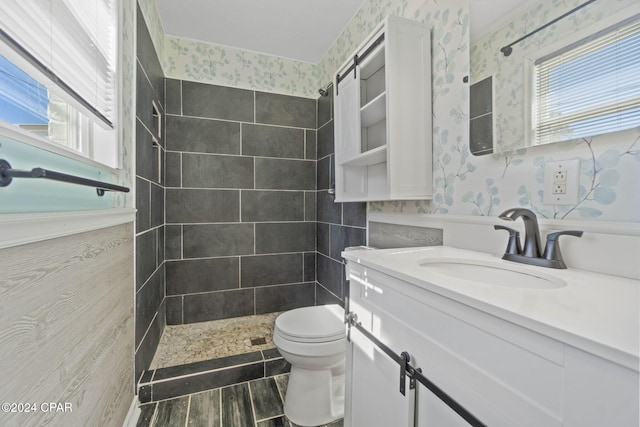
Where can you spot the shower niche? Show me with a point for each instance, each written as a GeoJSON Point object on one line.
{"type": "Point", "coordinates": [383, 116]}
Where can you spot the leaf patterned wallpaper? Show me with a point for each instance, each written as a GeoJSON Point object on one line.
{"type": "Point", "coordinates": [463, 184]}
{"type": "Point", "coordinates": [609, 185]}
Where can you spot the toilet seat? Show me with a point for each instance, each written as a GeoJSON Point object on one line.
{"type": "Point", "coordinates": [316, 324]}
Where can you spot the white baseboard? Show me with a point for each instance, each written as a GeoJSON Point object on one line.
{"type": "Point", "coordinates": [133, 414]}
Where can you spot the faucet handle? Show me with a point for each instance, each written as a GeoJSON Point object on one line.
{"type": "Point", "coordinates": [552, 248]}
{"type": "Point", "coordinates": [513, 245]}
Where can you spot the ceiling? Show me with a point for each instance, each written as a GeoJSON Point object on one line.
{"type": "Point", "coordinates": [489, 15]}
{"type": "Point", "coordinates": [297, 29]}
{"type": "Point", "coordinates": [302, 30]}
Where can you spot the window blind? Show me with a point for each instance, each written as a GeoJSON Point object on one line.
{"type": "Point", "coordinates": [74, 45]}
{"type": "Point", "coordinates": [590, 88]}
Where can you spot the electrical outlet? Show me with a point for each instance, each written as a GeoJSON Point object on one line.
{"type": "Point", "coordinates": [561, 182]}
{"type": "Point", "coordinates": [559, 189]}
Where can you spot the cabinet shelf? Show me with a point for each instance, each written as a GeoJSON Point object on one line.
{"type": "Point", "coordinates": [368, 158]}
{"type": "Point", "coordinates": [374, 111]}
{"type": "Point", "coordinates": [374, 63]}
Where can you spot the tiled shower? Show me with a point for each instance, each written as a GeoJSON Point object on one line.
{"type": "Point", "coordinates": [234, 216]}
{"type": "Point", "coordinates": [240, 202]}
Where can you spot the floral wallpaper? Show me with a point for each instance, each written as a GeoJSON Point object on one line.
{"type": "Point", "coordinates": [463, 184]}
{"type": "Point", "coordinates": [469, 185]}
{"type": "Point", "coordinates": [207, 63]}
{"type": "Point", "coordinates": [152, 19]}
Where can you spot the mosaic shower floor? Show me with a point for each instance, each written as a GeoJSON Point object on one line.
{"type": "Point", "coordinates": [195, 342]}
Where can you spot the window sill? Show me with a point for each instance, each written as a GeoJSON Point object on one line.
{"type": "Point", "coordinates": [8, 130]}
{"type": "Point", "coordinates": [21, 229]}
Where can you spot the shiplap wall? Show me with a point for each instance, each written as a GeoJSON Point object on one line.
{"type": "Point", "coordinates": [66, 328]}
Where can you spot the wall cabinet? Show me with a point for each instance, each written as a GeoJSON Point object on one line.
{"type": "Point", "coordinates": [504, 374]}
{"type": "Point", "coordinates": [382, 125]}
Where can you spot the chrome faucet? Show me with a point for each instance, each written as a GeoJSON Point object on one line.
{"type": "Point", "coordinates": [531, 252]}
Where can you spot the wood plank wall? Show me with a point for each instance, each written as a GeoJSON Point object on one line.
{"type": "Point", "coordinates": [66, 329]}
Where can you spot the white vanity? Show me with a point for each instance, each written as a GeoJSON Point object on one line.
{"type": "Point", "coordinates": [513, 344]}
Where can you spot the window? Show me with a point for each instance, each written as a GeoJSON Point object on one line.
{"type": "Point", "coordinates": [58, 74]}
{"type": "Point", "coordinates": [590, 87]}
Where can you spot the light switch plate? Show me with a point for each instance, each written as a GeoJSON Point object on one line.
{"type": "Point", "coordinates": [561, 182]}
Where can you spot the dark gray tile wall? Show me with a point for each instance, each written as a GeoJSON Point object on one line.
{"type": "Point", "coordinates": [339, 225]}
{"type": "Point", "coordinates": [240, 202]}
{"type": "Point", "coordinates": [150, 199]}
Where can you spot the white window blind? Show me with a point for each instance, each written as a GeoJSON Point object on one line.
{"type": "Point", "coordinates": [589, 88]}
{"type": "Point", "coordinates": [76, 41]}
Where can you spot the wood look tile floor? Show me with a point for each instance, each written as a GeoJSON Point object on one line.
{"type": "Point", "coordinates": [257, 403]}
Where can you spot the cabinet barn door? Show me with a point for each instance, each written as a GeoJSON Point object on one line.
{"type": "Point", "coordinates": [373, 387]}
{"type": "Point", "coordinates": [351, 183]}
{"type": "Point", "coordinates": [347, 117]}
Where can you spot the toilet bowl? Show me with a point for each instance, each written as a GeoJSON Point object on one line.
{"type": "Point", "coordinates": [313, 341]}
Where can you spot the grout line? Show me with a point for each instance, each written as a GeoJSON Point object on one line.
{"type": "Point", "coordinates": [182, 241]}
{"type": "Point", "coordinates": [244, 156]}
{"type": "Point", "coordinates": [304, 146]}
{"type": "Point", "coordinates": [195, 374]}
{"type": "Point", "coordinates": [182, 309]}
{"type": "Point", "coordinates": [186, 420]}
{"type": "Point", "coordinates": [181, 184]}
{"type": "Point", "coordinates": [245, 288]}
{"type": "Point", "coordinates": [181, 111]}
{"type": "Point", "coordinates": [254, 173]}
{"type": "Point", "coordinates": [253, 409]}
{"type": "Point", "coordinates": [219, 119]}
{"type": "Point", "coordinates": [241, 223]}
{"type": "Point", "coordinates": [274, 417]}
{"type": "Point", "coordinates": [303, 266]}
{"type": "Point", "coordinates": [220, 402]}
{"type": "Point", "coordinates": [304, 205]}
{"type": "Point", "coordinates": [279, 388]}
{"type": "Point", "coordinates": [239, 256]}
{"type": "Point", "coordinates": [146, 331]}
{"type": "Point", "coordinates": [152, 421]}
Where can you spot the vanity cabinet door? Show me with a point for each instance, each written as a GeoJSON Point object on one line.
{"type": "Point", "coordinates": [599, 393]}
{"type": "Point", "coordinates": [431, 411]}
{"type": "Point", "coordinates": [372, 388]}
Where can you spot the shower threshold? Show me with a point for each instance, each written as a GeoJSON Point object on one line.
{"type": "Point", "coordinates": [202, 356]}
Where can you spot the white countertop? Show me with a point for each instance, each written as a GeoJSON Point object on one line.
{"type": "Point", "coordinates": [594, 312]}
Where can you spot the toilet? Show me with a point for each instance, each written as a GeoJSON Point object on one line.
{"type": "Point", "coordinates": [313, 341]}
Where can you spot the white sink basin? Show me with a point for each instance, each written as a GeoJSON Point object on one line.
{"type": "Point", "coordinates": [492, 273]}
